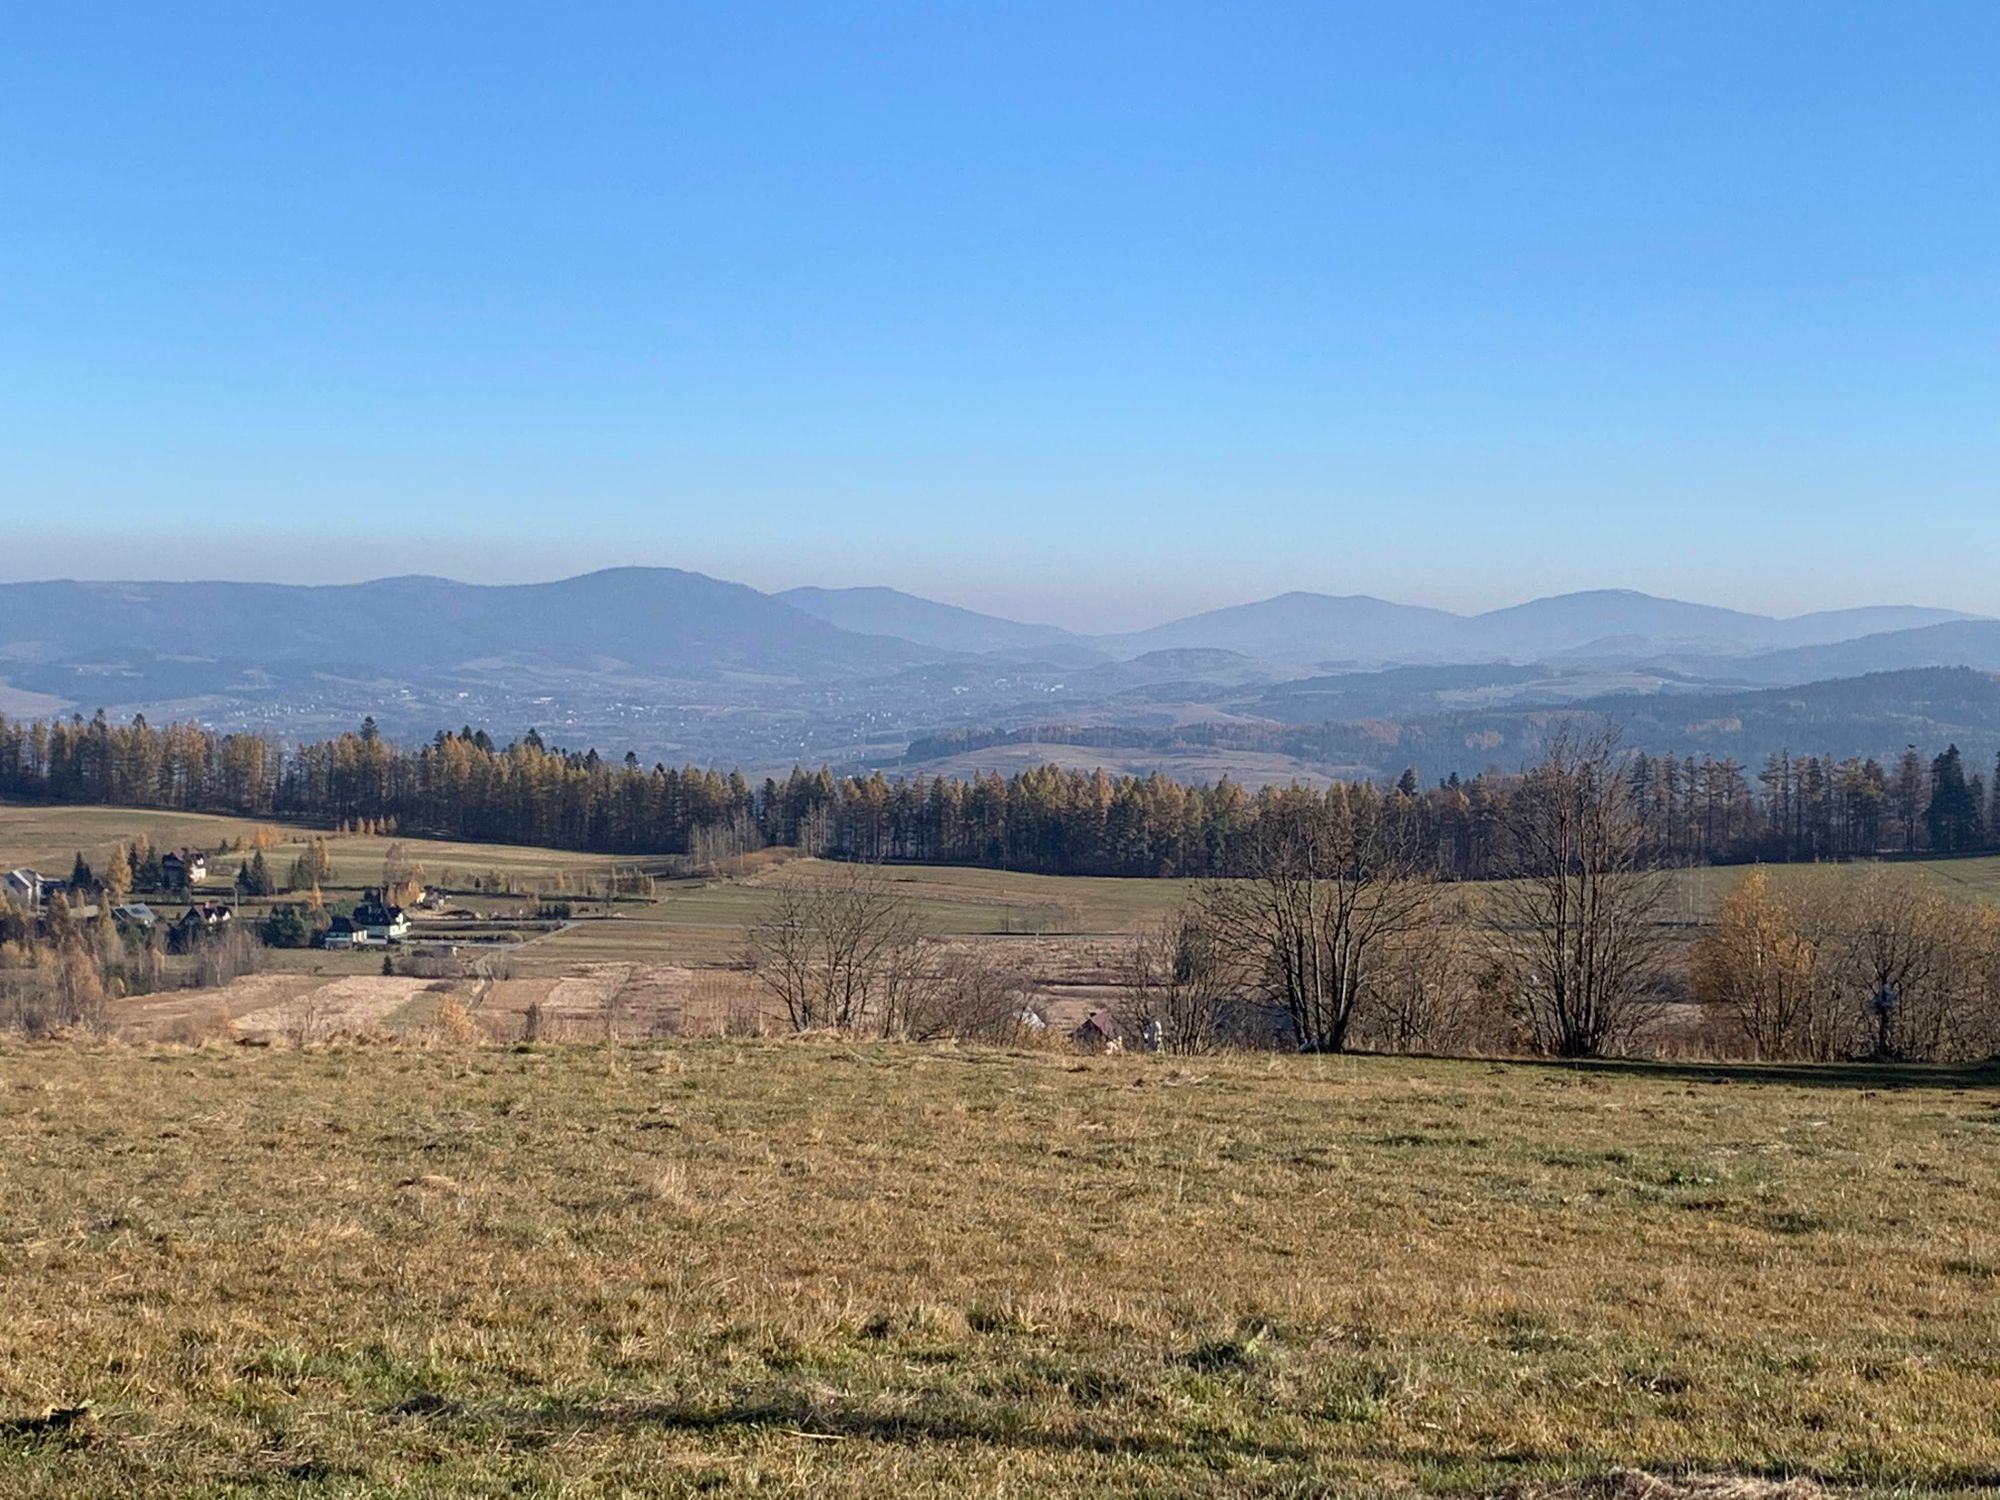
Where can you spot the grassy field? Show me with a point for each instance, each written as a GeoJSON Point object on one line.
{"type": "Point", "coordinates": [48, 838]}
{"type": "Point", "coordinates": [701, 920]}
{"type": "Point", "coordinates": [689, 924]}
{"type": "Point", "coordinates": [664, 963]}
{"type": "Point", "coordinates": [817, 1269]}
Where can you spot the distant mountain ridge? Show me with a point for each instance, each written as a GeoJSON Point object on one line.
{"type": "Point", "coordinates": [667, 617]}
{"type": "Point", "coordinates": [660, 620]}
{"type": "Point", "coordinates": [1303, 628]}
{"type": "Point", "coordinates": [1955, 643]}
{"type": "Point", "coordinates": [673, 623]}
{"type": "Point", "coordinates": [675, 664]}
{"type": "Point", "coordinates": [1361, 630]}
{"type": "Point", "coordinates": [924, 622]}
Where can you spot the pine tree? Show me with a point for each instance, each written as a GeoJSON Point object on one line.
{"type": "Point", "coordinates": [1953, 817]}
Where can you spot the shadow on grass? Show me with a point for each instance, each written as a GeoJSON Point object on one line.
{"type": "Point", "coordinates": [1557, 1474]}
{"type": "Point", "coordinates": [1856, 1075]}
{"type": "Point", "coordinates": [809, 1420]}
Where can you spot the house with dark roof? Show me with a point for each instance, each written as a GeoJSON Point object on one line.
{"type": "Point", "coordinates": [1099, 1032]}
{"type": "Point", "coordinates": [341, 933]}
{"type": "Point", "coordinates": [376, 921]}
{"type": "Point", "coordinates": [201, 921]}
{"type": "Point", "coordinates": [181, 868]}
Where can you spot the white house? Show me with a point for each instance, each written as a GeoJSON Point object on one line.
{"type": "Point", "coordinates": [376, 921]}
{"type": "Point", "coordinates": [181, 868]}
{"type": "Point", "coordinates": [24, 886]}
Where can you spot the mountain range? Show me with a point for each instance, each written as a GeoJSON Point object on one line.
{"type": "Point", "coordinates": [676, 663]}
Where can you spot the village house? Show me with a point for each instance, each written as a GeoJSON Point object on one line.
{"type": "Point", "coordinates": [181, 868]}
{"type": "Point", "coordinates": [375, 921]}
{"type": "Point", "coordinates": [134, 914]}
{"type": "Point", "coordinates": [1099, 1032]}
{"type": "Point", "coordinates": [203, 920]}
{"type": "Point", "coordinates": [25, 888]}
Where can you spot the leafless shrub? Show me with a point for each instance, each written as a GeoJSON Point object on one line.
{"type": "Point", "coordinates": [1427, 996]}
{"type": "Point", "coordinates": [742, 1016]}
{"type": "Point", "coordinates": [968, 993]}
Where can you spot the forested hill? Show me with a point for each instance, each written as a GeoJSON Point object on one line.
{"type": "Point", "coordinates": [1875, 715]}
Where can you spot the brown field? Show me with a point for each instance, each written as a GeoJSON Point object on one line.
{"type": "Point", "coordinates": [817, 1269]}
{"type": "Point", "coordinates": [383, 1248]}
{"type": "Point", "coordinates": [638, 967]}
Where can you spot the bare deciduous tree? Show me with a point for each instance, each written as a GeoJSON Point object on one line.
{"type": "Point", "coordinates": [1577, 920]}
{"type": "Point", "coordinates": [1335, 878]}
{"type": "Point", "coordinates": [839, 949]}
{"type": "Point", "coordinates": [719, 848]}
{"type": "Point", "coordinates": [1179, 983]}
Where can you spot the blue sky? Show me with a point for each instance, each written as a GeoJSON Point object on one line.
{"type": "Point", "coordinates": [1095, 313]}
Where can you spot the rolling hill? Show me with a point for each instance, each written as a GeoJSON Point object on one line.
{"type": "Point", "coordinates": [1960, 643]}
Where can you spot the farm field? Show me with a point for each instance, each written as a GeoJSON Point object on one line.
{"type": "Point", "coordinates": [653, 965]}
{"type": "Point", "coordinates": [955, 899]}
{"type": "Point", "coordinates": [818, 1269]}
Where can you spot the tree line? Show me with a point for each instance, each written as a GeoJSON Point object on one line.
{"type": "Point", "coordinates": [1044, 819]}
{"type": "Point", "coordinates": [1341, 933]}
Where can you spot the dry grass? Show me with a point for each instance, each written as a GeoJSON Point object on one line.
{"type": "Point", "coordinates": [824, 1269]}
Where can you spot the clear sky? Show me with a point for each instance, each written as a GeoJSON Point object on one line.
{"type": "Point", "coordinates": [1098, 313]}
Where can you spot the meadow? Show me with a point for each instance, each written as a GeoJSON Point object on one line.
{"type": "Point", "coordinates": [667, 962]}
{"type": "Point", "coordinates": [815, 1268]}
{"type": "Point", "coordinates": [700, 920]}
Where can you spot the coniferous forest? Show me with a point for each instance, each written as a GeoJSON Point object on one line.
{"type": "Point", "coordinates": [1045, 819]}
